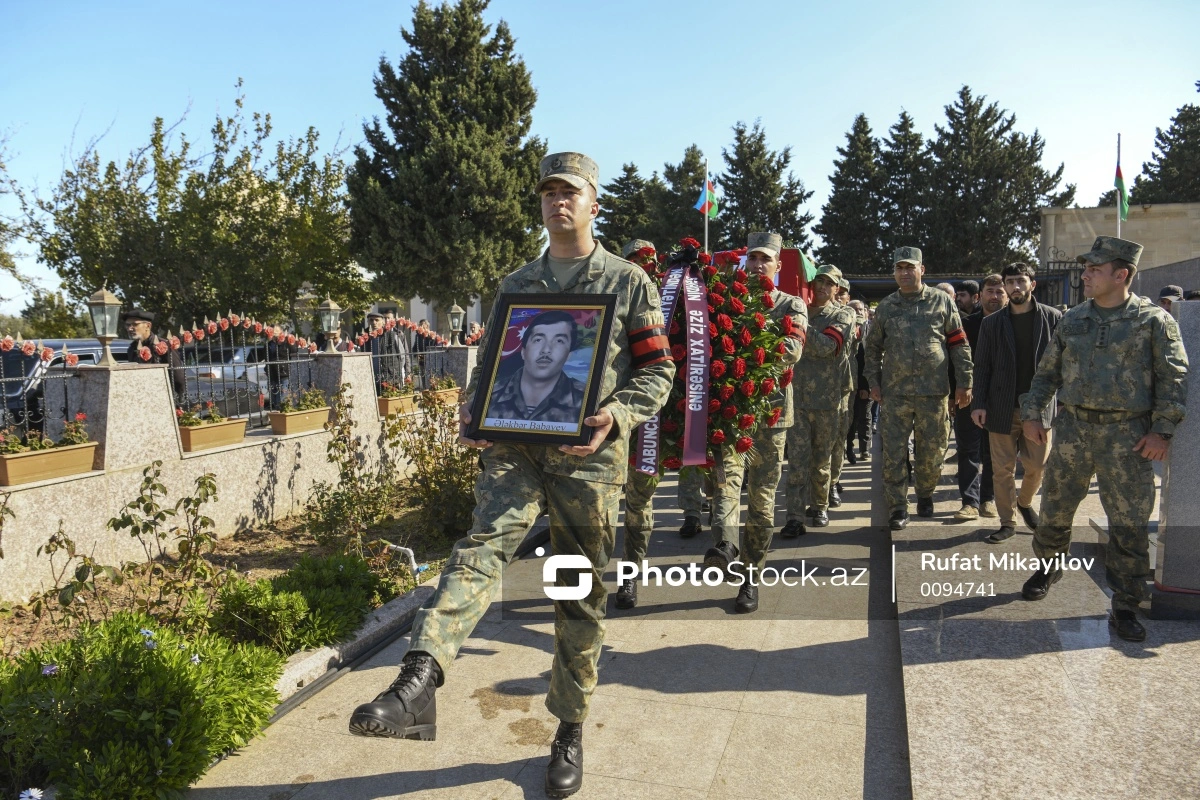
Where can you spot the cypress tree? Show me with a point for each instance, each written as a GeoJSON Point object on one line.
{"type": "Point", "coordinates": [851, 220]}
{"type": "Point", "coordinates": [758, 191]}
{"type": "Point", "coordinates": [904, 161]}
{"type": "Point", "coordinates": [625, 209]}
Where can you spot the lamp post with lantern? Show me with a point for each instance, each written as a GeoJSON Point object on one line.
{"type": "Point", "coordinates": [105, 310]}
{"type": "Point", "coordinates": [329, 315]}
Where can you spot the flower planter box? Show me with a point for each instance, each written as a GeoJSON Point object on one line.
{"type": "Point", "coordinates": [287, 422]}
{"type": "Point", "coordinates": [216, 434]}
{"type": "Point", "coordinates": [397, 405]}
{"type": "Point", "coordinates": [41, 465]}
{"type": "Point", "coordinates": [447, 396]}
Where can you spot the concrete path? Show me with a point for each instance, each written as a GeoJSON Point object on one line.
{"type": "Point", "coordinates": [802, 699]}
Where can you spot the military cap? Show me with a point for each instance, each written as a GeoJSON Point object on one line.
{"type": "Point", "coordinates": [574, 168]}
{"type": "Point", "coordinates": [767, 242]}
{"type": "Point", "coordinates": [633, 245]}
{"type": "Point", "coordinates": [969, 286]}
{"type": "Point", "coordinates": [907, 255]}
{"type": "Point", "coordinates": [1110, 248]}
{"type": "Point", "coordinates": [845, 284]}
{"type": "Point", "coordinates": [829, 272]}
{"type": "Point", "coordinates": [1174, 292]}
{"type": "Point", "coordinates": [139, 314]}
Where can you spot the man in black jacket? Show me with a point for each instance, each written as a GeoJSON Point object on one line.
{"type": "Point", "coordinates": [974, 459]}
{"type": "Point", "coordinates": [1011, 344]}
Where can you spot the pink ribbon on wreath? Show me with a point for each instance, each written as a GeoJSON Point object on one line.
{"type": "Point", "coordinates": [684, 281]}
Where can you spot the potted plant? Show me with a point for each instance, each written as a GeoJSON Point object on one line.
{"type": "Point", "coordinates": [445, 389]}
{"type": "Point", "coordinates": [36, 458]}
{"type": "Point", "coordinates": [309, 412]}
{"type": "Point", "coordinates": [396, 398]}
{"type": "Point", "coordinates": [202, 429]}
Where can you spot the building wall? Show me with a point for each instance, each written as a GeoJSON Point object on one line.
{"type": "Point", "coordinates": [1170, 232]}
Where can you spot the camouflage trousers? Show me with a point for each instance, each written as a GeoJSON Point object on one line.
{"type": "Point", "coordinates": [924, 417]}
{"type": "Point", "coordinates": [1081, 450]}
{"type": "Point", "coordinates": [837, 455]}
{"type": "Point", "coordinates": [810, 441]}
{"type": "Point", "coordinates": [691, 490]}
{"type": "Point", "coordinates": [761, 468]}
{"type": "Point", "coordinates": [511, 492]}
{"type": "Point", "coordinates": [639, 514]}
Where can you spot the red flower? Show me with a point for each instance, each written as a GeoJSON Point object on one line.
{"type": "Point", "coordinates": [710, 462]}
{"type": "Point", "coordinates": [178, 412]}
{"type": "Point", "coordinates": [212, 327]}
{"type": "Point", "coordinates": [234, 320]}
{"type": "Point", "coordinates": [716, 300]}
{"type": "Point", "coordinates": [28, 348]}
{"type": "Point", "coordinates": [174, 342]}
{"type": "Point", "coordinates": [739, 288]}
{"type": "Point", "coordinates": [760, 355]}
{"type": "Point", "coordinates": [748, 388]}
{"type": "Point", "coordinates": [681, 405]}
{"type": "Point", "coordinates": [198, 334]}
{"type": "Point", "coordinates": [302, 343]}
{"type": "Point", "coordinates": [739, 274]}
{"type": "Point", "coordinates": [688, 241]}
{"type": "Point", "coordinates": [717, 437]}
{"type": "Point", "coordinates": [768, 386]}
{"type": "Point", "coordinates": [760, 320]}
{"type": "Point", "coordinates": [187, 337]}
{"type": "Point", "coordinates": [709, 272]}
{"type": "Point", "coordinates": [785, 379]}
{"type": "Point", "coordinates": [672, 463]}
{"type": "Point", "coordinates": [705, 258]}
{"type": "Point", "coordinates": [291, 338]}
{"type": "Point", "coordinates": [773, 417]}
{"type": "Point", "coordinates": [714, 405]}
{"type": "Point", "coordinates": [670, 426]}
{"type": "Point", "coordinates": [717, 369]}
{"type": "Point", "coordinates": [6, 344]}
{"type": "Point", "coordinates": [786, 324]}
{"type": "Point", "coordinates": [746, 421]}
{"type": "Point", "coordinates": [81, 417]}
{"type": "Point", "coordinates": [738, 306]}
{"type": "Point", "coordinates": [739, 368]}
{"type": "Point", "coordinates": [391, 323]}
{"type": "Point", "coordinates": [743, 444]}
{"type": "Point", "coordinates": [674, 327]}
{"type": "Point", "coordinates": [224, 323]}
{"type": "Point", "coordinates": [144, 353]}
{"type": "Point", "coordinates": [312, 347]}
{"type": "Point", "coordinates": [71, 359]}
{"type": "Point", "coordinates": [262, 399]}
{"type": "Point", "coordinates": [258, 327]}
{"type": "Point", "coordinates": [281, 337]}
{"type": "Point", "coordinates": [781, 348]}
{"type": "Point", "coordinates": [209, 404]}
{"type": "Point", "coordinates": [718, 287]}
{"type": "Point", "coordinates": [767, 301]}
{"type": "Point", "coordinates": [725, 322]}
{"type": "Point", "coordinates": [678, 352]}
{"type": "Point", "coordinates": [727, 344]}
{"type": "Point", "coordinates": [161, 347]}
{"type": "Point", "coordinates": [744, 337]}
{"type": "Point", "coordinates": [247, 323]}
{"type": "Point", "coordinates": [711, 310]}
{"type": "Point", "coordinates": [765, 283]}
{"type": "Point", "coordinates": [712, 330]}
{"type": "Point", "coordinates": [726, 392]}
{"type": "Point", "coordinates": [46, 354]}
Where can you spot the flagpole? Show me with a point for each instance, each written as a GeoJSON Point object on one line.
{"type": "Point", "coordinates": [705, 190]}
{"type": "Point", "coordinates": [1118, 190]}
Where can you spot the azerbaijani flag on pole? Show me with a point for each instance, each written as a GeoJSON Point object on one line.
{"type": "Point", "coordinates": [1122, 195]}
{"type": "Point", "coordinates": [707, 204]}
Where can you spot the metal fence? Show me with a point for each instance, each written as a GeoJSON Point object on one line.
{"type": "Point", "coordinates": [395, 361]}
{"type": "Point", "coordinates": [240, 368]}
{"type": "Point", "coordinates": [36, 379]}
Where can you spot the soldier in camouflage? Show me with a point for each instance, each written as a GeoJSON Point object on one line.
{"type": "Point", "coordinates": [846, 405]}
{"type": "Point", "coordinates": [816, 395]}
{"type": "Point", "coordinates": [540, 389]}
{"type": "Point", "coordinates": [1119, 368]}
{"type": "Point", "coordinates": [640, 487]}
{"type": "Point", "coordinates": [915, 331]}
{"type": "Point", "coordinates": [579, 486]}
{"type": "Point", "coordinates": [763, 465]}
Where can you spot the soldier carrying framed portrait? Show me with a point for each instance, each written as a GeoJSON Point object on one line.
{"type": "Point", "coordinates": [540, 378]}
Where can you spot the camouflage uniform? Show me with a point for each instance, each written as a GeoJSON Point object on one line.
{"type": "Point", "coordinates": [907, 347]}
{"type": "Point", "coordinates": [1119, 377]}
{"type": "Point", "coordinates": [849, 384]}
{"type": "Point", "coordinates": [763, 465]}
{"type": "Point", "coordinates": [816, 396]}
{"type": "Point", "coordinates": [691, 491]}
{"type": "Point", "coordinates": [563, 404]}
{"type": "Point", "coordinates": [582, 495]}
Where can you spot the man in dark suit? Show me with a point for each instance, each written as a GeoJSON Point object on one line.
{"type": "Point", "coordinates": [1011, 344]}
{"type": "Point", "coordinates": [974, 458]}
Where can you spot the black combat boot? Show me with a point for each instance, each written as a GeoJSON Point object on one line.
{"type": "Point", "coordinates": [924, 506]}
{"type": "Point", "coordinates": [792, 529]}
{"type": "Point", "coordinates": [627, 594]}
{"type": "Point", "coordinates": [850, 454]}
{"type": "Point", "coordinates": [1126, 624]}
{"type": "Point", "coordinates": [691, 526]}
{"type": "Point", "coordinates": [819, 518]}
{"type": "Point", "coordinates": [564, 773]}
{"type": "Point", "coordinates": [1039, 583]}
{"type": "Point", "coordinates": [408, 708]}
{"type": "Point", "coordinates": [747, 598]}
{"type": "Point", "coordinates": [899, 520]}
{"type": "Point", "coordinates": [721, 555]}
{"type": "Point", "coordinates": [835, 496]}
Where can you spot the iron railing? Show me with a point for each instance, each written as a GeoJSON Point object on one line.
{"type": "Point", "coordinates": [39, 383]}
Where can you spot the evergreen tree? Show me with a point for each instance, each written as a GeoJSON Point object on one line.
{"type": "Point", "coordinates": [10, 229]}
{"type": "Point", "coordinates": [987, 186]}
{"type": "Point", "coordinates": [672, 200]}
{"type": "Point", "coordinates": [1172, 175]}
{"type": "Point", "coordinates": [851, 220]}
{"type": "Point", "coordinates": [904, 161]}
{"type": "Point", "coordinates": [759, 193]}
{"type": "Point", "coordinates": [441, 195]}
{"type": "Point", "coordinates": [48, 316]}
{"type": "Point", "coordinates": [625, 209]}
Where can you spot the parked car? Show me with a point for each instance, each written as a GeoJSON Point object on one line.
{"type": "Point", "coordinates": [22, 377]}
{"type": "Point", "coordinates": [240, 380]}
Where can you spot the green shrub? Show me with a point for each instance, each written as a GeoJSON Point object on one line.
{"type": "Point", "coordinates": [128, 709]}
{"type": "Point", "coordinates": [252, 611]}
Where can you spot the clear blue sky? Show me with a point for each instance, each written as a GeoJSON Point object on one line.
{"type": "Point", "coordinates": [620, 80]}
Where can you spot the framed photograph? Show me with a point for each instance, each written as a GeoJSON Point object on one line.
{"type": "Point", "coordinates": [542, 368]}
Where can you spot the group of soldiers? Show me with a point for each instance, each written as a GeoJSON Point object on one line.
{"type": "Point", "coordinates": [1116, 361]}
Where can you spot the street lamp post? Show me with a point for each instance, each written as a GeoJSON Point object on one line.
{"type": "Point", "coordinates": [329, 314]}
{"type": "Point", "coordinates": [456, 315]}
{"type": "Point", "coordinates": [105, 309]}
